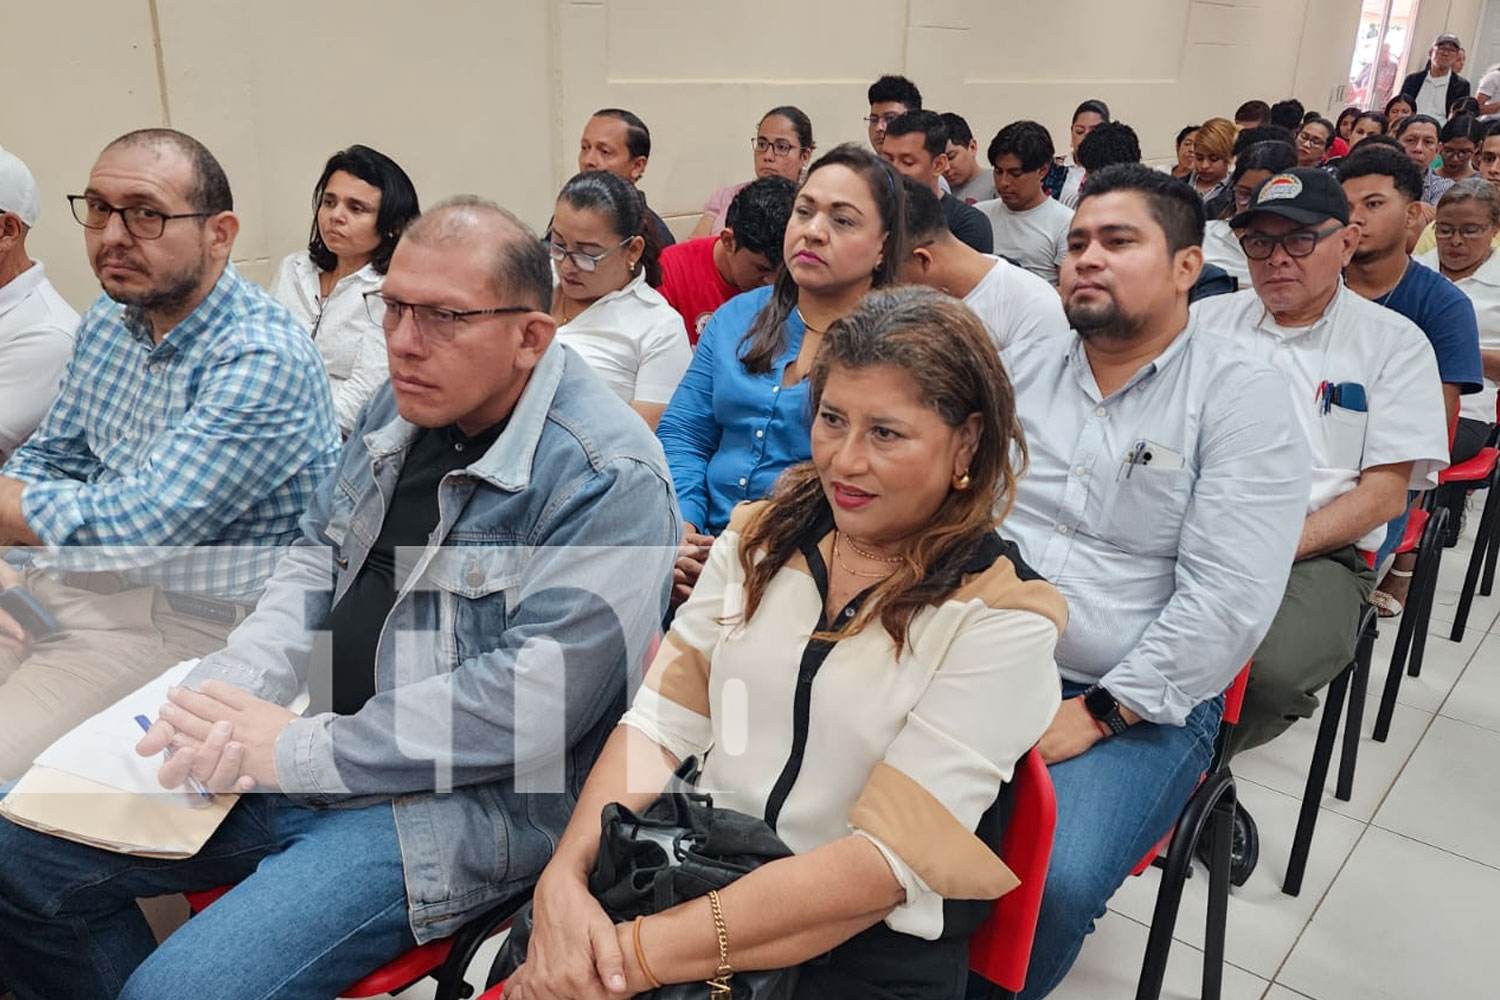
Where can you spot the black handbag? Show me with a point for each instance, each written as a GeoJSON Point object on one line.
{"type": "Point", "coordinates": [677, 849]}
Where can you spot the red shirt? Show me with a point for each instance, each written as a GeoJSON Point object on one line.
{"type": "Point", "coordinates": [691, 282]}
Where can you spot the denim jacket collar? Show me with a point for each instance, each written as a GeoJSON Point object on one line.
{"type": "Point", "coordinates": [507, 463]}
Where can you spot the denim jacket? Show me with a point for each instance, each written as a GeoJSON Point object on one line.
{"type": "Point", "coordinates": [503, 664]}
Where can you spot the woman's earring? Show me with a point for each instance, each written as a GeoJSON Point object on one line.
{"type": "Point", "coordinates": [961, 482]}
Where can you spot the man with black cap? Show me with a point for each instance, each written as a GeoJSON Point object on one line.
{"type": "Point", "coordinates": [1437, 86]}
{"type": "Point", "coordinates": [1365, 390]}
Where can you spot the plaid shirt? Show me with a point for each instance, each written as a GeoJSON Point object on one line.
{"type": "Point", "coordinates": [215, 437]}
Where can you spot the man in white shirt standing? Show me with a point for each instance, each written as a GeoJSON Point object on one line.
{"type": "Point", "coordinates": [1030, 228]}
{"type": "Point", "coordinates": [1013, 304]}
{"type": "Point", "coordinates": [1437, 86]}
{"type": "Point", "coordinates": [1366, 391]}
{"type": "Point", "coordinates": [36, 325]}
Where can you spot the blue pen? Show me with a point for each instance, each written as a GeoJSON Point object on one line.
{"type": "Point", "coordinates": [166, 754]}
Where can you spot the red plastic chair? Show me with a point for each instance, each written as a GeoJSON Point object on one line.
{"type": "Point", "coordinates": [1000, 950]}
{"type": "Point", "coordinates": [1480, 472]}
{"type": "Point", "coordinates": [1210, 809]}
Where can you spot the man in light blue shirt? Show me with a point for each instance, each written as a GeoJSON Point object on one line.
{"type": "Point", "coordinates": [1164, 498]}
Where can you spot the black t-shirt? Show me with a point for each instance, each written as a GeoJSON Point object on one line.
{"type": "Point", "coordinates": [969, 224]}
{"type": "Point", "coordinates": [355, 622]}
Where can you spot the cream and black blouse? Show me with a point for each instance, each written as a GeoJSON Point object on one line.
{"type": "Point", "coordinates": [827, 739]}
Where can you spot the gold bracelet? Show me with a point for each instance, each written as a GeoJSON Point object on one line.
{"type": "Point", "coordinates": [719, 986]}
{"type": "Point", "coordinates": [640, 956]}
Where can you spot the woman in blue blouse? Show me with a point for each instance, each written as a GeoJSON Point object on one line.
{"type": "Point", "coordinates": [740, 415]}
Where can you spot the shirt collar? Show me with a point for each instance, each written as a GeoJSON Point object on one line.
{"type": "Point", "coordinates": [15, 291]}
{"type": "Point", "coordinates": [507, 463]}
{"type": "Point", "coordinates": [192, 326]}
{"type": "Point", "coordinates": [1079, 362]}
{"type": "Point", "coordinates": [1267, 323]}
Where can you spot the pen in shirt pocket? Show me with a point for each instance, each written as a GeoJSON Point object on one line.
{"type": "Point", "coordinates": [166, 754]}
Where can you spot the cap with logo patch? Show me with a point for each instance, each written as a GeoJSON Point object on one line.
{"type": "Point", "coordinates": [1302, 194]}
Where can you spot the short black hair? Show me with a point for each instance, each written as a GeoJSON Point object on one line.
{"type": "Point", "coordinates": [1403, 126]}
{"type": "Point", "coordinates": [1490, 128]}
{"type": "Point", "coordinates": [1460, 127]}
{"type": "Point", "coordinates": [1378, 117]}
{"type": "Point", "coordinates": [398, 203]}
{"type": "Point", "coordinates": [1263, 133]}
{"type": "Point", "coordinates": [1177, 208]}
{"type": "Point", "coordinates": [1380, 160]}
{"type": "Point", "coordinates": [1253, 111]}
{"type": "Point", "coordinates": [1288, 113]}
{"type": "Point", "coordinates": [622, 206]}
{"type": "Point", "coordinates": [928, 123]}
{"type": "Point", "coordinates": [1464, 106]}
{"type": "Point", "coordinates": [1184, 132]}
{"type": "Point", "coordinates": [895, 89]}
{"type": "Point", "coordinates": [637, 135]}
{"type": "Point", "coordinates": [758, 215]}
{"type": "Point", "coordinates": [1388, 141]}
{"type": "Point", "coordinates": [1272, 156]}
{"type": "Point", "coordinates": [925, 219]}
{"type": "Point", "coordinates": [209, 191]}
{"type": "Point", "coordinates": [1107, 145]}
{"type": "Point", "coordinates": [1328, 126]}
{"type": "Point", "coordinates": [1091, 107]}
{"type": "Point", "coordinates": [959, 132]}
{"type": "Point", "coordinates": [1400, 99]}
{"type": "Point", "coordinates": [1027, 141]}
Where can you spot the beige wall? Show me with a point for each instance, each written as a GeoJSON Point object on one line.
{"type": "Point", "coordinates": [489, 96]}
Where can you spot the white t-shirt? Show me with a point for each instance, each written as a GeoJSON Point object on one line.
{"type": "Point", "coordinates": [1037, 238]}
{"type": "Point", "coordinates": [634, 340]}
{"type": "Point", "coordinates": [1489, 86]}
{"type": "Point", "coordinates": [1483, 289]}
{"type": "Point", "coordinates": [1015, 305]}
{"type": "Point", "coordinates": [1072, 186]}
{"type": "Point", "coordinates": [1354, 342]}
{"type": "Point", "coordinates": [980, 187]}
{"type": "Point", "coordinates": [1432, 99]}
{"type": "Point", "coordinates": [36, 340]}
{"type": "Point", "coordinates": [351, 343]}
{"type": "Point", "coordinates": [1222, 247]}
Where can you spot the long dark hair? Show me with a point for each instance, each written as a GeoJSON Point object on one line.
{"type": "Point", "coordinates": [941, 345]}
{"type": "Point", "coordinates": [764, 342]}
{"type": "Point", "coordinates": [398, 203]}
{"type": "Point", "coordinates": [622, 206]}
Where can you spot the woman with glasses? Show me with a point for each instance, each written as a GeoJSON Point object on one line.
{"type": "Point", "coordinates": [1468, 223]}
{"type": "Point", "coordinates": [361, 203]}
{"type": "Point", "coordinates": [740, 417]}
{"type": "Point", "coordinates": [605, 255]}
{"type": "Point", "coordinates": [1313, 141]}
{"type": "Point", "coordinates": [1458, 140]}
{"type": "Point", "coordinates": [782, 145]}
{"type": "Point", "coordinates": [1221, 244]}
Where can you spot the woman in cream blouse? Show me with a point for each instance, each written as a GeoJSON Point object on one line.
{"type": "Point", "coordinates": [862, 663]}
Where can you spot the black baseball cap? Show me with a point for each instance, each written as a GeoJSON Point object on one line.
{"type": "Point", "coordinates": [1302, 194]}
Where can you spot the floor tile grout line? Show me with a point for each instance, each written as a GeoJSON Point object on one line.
{"type": "Point", "coordinates": [1436, 847]}
{"type": "Point", "coordinates": [1313, 913]}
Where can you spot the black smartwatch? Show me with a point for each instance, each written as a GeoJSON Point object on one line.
{"type": "Point", "coordinates": [1103, 707]}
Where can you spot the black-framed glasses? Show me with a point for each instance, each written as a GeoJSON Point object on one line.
{"type": "Point", "coordinates": [1444, 231]}
{"type": "Point", "coordinates": [582, 261]}
{"type": "Point", "coordinates": [885, 119]}
{"type": "Point", "coordinates": [142, 223]}
{"type": "Point", "coordinates": [1297, 243]}
{"type": "Point", "coordinates": [1310, 139]}
{"type": "Point", "coordinates": [433, 322]}
{"type": "Point", "coordinates": [780, 147]}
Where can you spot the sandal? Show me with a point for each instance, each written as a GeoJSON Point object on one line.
{"type": "Point", "coordinates": [1385, 605]}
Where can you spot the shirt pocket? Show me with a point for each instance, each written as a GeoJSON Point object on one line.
{"type": "Point", "coordinates": [475, 587]}
{"type": "Point", "coordinates": [1343, 438]}
{"type": "Point", "coordinates": [1145, 510]}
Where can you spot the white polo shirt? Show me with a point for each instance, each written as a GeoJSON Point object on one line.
{"type": "Point", "coordinates": [1483, 289]}
{"type": "Point", "coordinates": [1037, 238]}
{"type": "Point", "coordinates": [634, 340]}
{"type": "Point", "coordinates": [36, 341]}
{"type": "Point", "coordinates": [1015, 305]}
{"type": "Point", "coordinates": [1354, 342]}
{"type": "Point", "coordinates": [1221, 247]}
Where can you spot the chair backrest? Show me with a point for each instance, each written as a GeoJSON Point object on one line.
{"type": "Point", "coordinates": [1234, 695]}
{"type": "Point", "coordinates": [1001, 949]}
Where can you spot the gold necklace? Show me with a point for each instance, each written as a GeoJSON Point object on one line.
{"type": "Point", "coordinates": [870, 555]}
{"type": "Point", "coordinates": [850, 569]}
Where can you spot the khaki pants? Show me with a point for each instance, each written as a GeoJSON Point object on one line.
{"type": "Point", "coordinates": [115, 644]}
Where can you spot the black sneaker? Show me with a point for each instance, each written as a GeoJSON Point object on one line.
{"type": "Point", "coordinates": [1244, 848]}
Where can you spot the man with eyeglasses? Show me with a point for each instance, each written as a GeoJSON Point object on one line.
{"type": "Point", "coordinates": [36, 325]}
{"type": "Point", "coordinates": [190, 431]}
{"type": "Point", "coordinates": [488, 563]}
{"type": "Point", "coordinates": [1436, 87]}
{"type": "Point", "coordinates": [891, 97]}
{"type": "Point", "coordinates": [1365, 391]}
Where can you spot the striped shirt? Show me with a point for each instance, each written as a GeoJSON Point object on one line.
{"type": "Point", "coordinates": [217, 436]}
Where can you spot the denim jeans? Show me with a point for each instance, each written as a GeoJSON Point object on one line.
{"type": "Point", "coordinates": [1114, 801]}
{"type": "Point", "coordinates": [320, 901]}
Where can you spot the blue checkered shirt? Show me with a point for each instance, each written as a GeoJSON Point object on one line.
{"type": "Point", "coordinates": [215, 439]}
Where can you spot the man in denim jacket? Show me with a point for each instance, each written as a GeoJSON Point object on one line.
{"type": "Point", "coordinates": [513, 526]}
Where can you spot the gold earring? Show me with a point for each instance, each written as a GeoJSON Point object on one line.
{"type": "Point", "coordinates": [961, 482]}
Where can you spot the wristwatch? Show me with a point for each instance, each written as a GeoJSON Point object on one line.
{"type": "Point", "coordinates": [1103, 707]}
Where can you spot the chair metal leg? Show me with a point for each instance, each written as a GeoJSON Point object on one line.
{"type": "Point", "coordinates": [1317, 774]}
{"type": "Point", "coordinates": [1493, 556]}
{"type": "Point", "coordinates": [1354, 721]}
{"type": "Point", "coordinates": [1217, 919]}
{"type": "Point", "coordinates": [1429, 559]}
{"type": "Point", "coordinates": [1476, 563]}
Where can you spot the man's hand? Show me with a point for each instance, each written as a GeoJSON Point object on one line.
{"type": "Point", "coordinates": [190, 723]}
{"type": "Point", "coordinates": [13, 637]}
{"type": "Point", "coordinates": [691, 555]}
{"type": "Point", "coordinates": [1073, 731]}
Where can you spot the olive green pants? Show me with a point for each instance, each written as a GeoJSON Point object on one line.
{"type": "Point", "coordinates": [1311, 639]}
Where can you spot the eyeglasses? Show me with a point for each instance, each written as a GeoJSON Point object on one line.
{"type": "Point", "coordinates": [1444, 231]}
{"type": "Point", "coordinates": [1308, 139]}
{"type": "Point", "coordinates": [885, 119]}
{"type": "Point", "coordinates": [780, 147]}
{"type": "Point", "coordinates": [432, 322]}
{"type": "Point", "coordinates": [1297, 243]}
{"type": "Point", "coordinates": [582, 261]}
{"type": "Point", "coordinates": [142, 223]}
